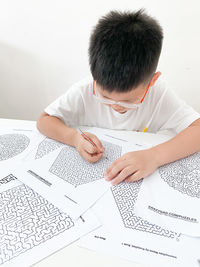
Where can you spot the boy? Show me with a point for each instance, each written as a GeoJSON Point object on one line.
{"type": "Point", "coordinates": [127, 93]}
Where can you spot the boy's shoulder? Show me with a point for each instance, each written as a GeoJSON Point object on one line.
{"type": "Point", "coordinates": [158, 90]}
{"type": "Point", "coordinates": [80, 89]}
{"type": "Point", "coordinates": [83, 84]}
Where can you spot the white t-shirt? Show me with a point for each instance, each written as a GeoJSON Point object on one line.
{"type": "Point", "coordinates": [161, 110]}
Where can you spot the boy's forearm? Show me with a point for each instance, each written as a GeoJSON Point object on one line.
{"type": "Point", "coordinates": [182, 145]}
{"type": "Point", "coordinates": [54, 128]}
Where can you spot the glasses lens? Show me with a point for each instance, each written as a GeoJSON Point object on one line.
{"type": "Point", "coordinates": [112, 102]}
{"type": "Point", "coordinates": [129, 105]}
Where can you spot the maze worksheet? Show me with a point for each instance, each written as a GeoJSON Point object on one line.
{"type": "Point", "coordinates": [12, 144]}
{"type": "Point", "coordinates": [72, 168]}
{"type": "Point", "coordinates": [139, 239]}
{"type": "Point", "coordinates": [29, 224]}
{"type": "Point", "coordinates": [15, 144]}
{"type": "Point", "coordinates": [62, 176]}
{"type": "Point", "coordinates": [176, 204]}
{"type": "Point", "coordinates": [183, 175]}
{"type": "Point", "coordinates": [46, 146]}
{"type": "Point", "coordinates": [125, 196]}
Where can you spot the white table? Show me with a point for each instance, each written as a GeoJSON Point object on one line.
{"type": "Point", "coordinates": [74, 256]}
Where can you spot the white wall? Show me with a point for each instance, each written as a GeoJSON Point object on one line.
{"type": "Point", "coordinates": [44, 43]}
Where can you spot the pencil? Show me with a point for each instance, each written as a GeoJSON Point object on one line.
{"type": "Point", "coordinates": [89, 140]}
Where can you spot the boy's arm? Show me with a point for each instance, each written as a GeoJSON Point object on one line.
{"type": "Point", "coordinates": [56, 129]}
{"type": "Point", "coordinates": [136, 165]}
{"type": "Point", "coordinates": [182, 145]}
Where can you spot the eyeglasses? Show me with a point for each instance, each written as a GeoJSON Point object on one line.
{"type": "Point", "coordinates": [106, 101]}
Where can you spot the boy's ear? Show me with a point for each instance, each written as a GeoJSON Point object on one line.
{"type": "Point", "coordinates": [155, 78]}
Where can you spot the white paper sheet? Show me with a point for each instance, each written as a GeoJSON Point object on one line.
{"type": "Point", "coordinates": [161, 246]}
{"type": "Point", "coordinates": [171, 196]}
{"type": "Point", "coordinates": [62, 176]}
{"type": "Point", "coordinates": [15, 144]}
{"type": "Point", "coordinates": [129, 236]}
{"type": "Point", "coordinates": [31, 228]}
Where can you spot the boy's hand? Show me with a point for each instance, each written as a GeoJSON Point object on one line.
{"type": "Point", "coordinates": [132, 166]}
{"type": "Point", "coordinates": [87, 150]}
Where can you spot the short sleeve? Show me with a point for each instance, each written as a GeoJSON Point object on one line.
{"type": "Point", "coordinates": [175, 114]}
{"type": "Point", "coordinates": [68, 107]}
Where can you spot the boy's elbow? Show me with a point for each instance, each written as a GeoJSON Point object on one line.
{"type": "Point", "coordinates": [40, 121]}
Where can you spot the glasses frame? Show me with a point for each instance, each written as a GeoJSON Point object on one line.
{"type": "Point", "coordinates": [120, 103]}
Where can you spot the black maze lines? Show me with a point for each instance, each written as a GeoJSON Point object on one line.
{"type": "Point", "coordinates": [72, 168]}
{"type": "Point", "coordinates": [183, 175]}
{"type": "Point", "coordinates": [12, 144]}
{"type": "Point", "coordinates": [125, 195]}
{"type": "Point", "coordinates": [27, 220]}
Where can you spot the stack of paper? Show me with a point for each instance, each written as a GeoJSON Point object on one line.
{"type": "Point", "coordinates": [31, 227]}
{"type": "Point", "coordinates": [171, 196]}
{"type": "Point", "coordinates": [62, 195]}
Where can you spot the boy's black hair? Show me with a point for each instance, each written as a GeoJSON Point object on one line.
{"type": "Point", "coordinates": [124, 50]}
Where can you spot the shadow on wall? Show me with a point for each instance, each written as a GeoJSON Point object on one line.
{"type": "Point", "coordinates": [21, 83]}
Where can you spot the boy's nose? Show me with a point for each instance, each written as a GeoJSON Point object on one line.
{"type": "Point", "coordinates": [115, 106]}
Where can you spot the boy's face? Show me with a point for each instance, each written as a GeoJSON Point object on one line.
{"type": "Point", "coordinates": [132, 97]}
{"type": "Point", "coordinates": [121, 102]}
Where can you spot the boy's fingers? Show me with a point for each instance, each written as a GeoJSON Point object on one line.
{"type": "Point", "coordinates": [113, 170]}
{"type": "Point", "coordinates": [96, 157]}
{"type": "Point", "coordinates": [96, 147]}
{"type": "Point", "coordinates": [91, 157]}
{"type": "Point", "coordinates": [122, 176]}
{"type": "Point", "coordinates": [97, 143]}
{"type": "Point", "coordinates": [134, 177]}
{"type": "Point", "coordinates": [89, 148]}
{"type": "Point", "coordinates": [116, 163]}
